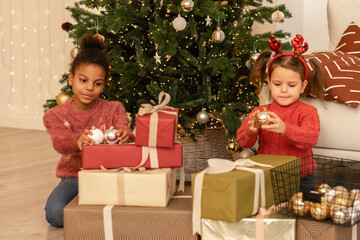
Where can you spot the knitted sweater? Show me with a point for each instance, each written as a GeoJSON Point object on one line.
{"type": "Point", "coordinates": [65, 125]}
{"type": "Point", "coordinates": [302, 128]}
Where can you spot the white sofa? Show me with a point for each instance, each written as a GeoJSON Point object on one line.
{"type": "Point", "coordinates": [339, 123]}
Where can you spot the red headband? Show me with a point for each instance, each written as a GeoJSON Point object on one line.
{"type": "Point", "coordinates": [297, 43]}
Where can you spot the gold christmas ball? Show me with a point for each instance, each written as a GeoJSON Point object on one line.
{"type": "Point", "coordinates": [74, 52]}
{"type": "Point", "coordinates": [341, 199]}
{"type": "Point", "coordinates": [187, 5]}
{"type": "Point", "coordinates": [299, 206]}
{"type": "Point", "coordinates": [320, 211]}
{"type": "Point", "coordinates": [63, 97]}
{"type": "Point", "coordinates": [218, 35]}
{"type": "Point", "coordinates": [339, 215]}
{"type": "Point", "coordinates": [261, 116]}
{"type": "Point", "coordinates": [232, 147]}
{"type": "Point", "coordinates": [340, 189]}
{"type": "Point", "coordinates": [322, 188]}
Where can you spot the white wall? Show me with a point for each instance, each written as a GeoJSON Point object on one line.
{"type": "Point", "coordinates": [35, 51]}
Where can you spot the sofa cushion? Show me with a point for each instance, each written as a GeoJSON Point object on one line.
{"type": "Point", "coordinates": [341, 73]}
{"type": "Point", "coordinates": [350, 40]}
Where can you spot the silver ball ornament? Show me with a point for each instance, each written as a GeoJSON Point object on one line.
{"type": "Point", "coordinates": [202, 117]}
{"type": "Point", "coordinates": [187, 5]}
{"type": "Point", "coordinates": [339, 214]}
{"type": "Point", "coordinates": [245, 154]}
{"type": "Point", "coordinates": [97, 135]}
{"type": "Point", "coordinates": [110, 136]}
{"type": "Point", "coordinates": [179, 23]}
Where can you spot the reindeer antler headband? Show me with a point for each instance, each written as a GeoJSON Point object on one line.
{"type": "Point", "coordinates": [299, 49]}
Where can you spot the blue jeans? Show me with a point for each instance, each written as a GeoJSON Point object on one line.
{"type": "Point", "coordinates": [307, 183]}
{"type": "Point", "coordinates": [62, 194]}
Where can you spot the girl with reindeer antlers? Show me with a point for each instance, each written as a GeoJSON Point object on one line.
{"type": "Point", "coordinates": [291, 127]}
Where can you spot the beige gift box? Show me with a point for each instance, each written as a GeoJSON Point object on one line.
{"type": "Point", "coordinates": [153, 187]}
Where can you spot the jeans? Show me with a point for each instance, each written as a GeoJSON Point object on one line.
{"type": "Point", "coordinates": [307, 183]}
{"type": "Point", "coordinates": [62, 194]}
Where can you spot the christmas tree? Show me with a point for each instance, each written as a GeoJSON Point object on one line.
{"type": "Point", "coordinates": [198, 51]}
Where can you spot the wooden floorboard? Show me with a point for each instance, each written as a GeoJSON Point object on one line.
{"type": "Point", "coordinates": [27, 176]}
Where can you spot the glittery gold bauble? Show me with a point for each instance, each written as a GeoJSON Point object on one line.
{"type": "Point", "coordinates": [63, 97]}
{"type": "Point", "coordinates": [244, 154]}
{"type": "Point", "coordinates": [187, 5]}
{"type": "Point", "coordinates": [340, 189]}
{"type": "Point", "coordinates": [261, 116]}
{"type": "Point", "coordinates": [232, 147]}
{"type": "Point", "coordinates": [322, 188]}
{"type": "Point", "coordinates": [320, 211]}
{"type": "Point", "coordinates": [74, 52]}
{"type": "Point", "coordinates": [218, 35]}
{"type": "Point", "coordinates": [299, 206]}
{"type": "Point", "coordinates": [340, 215]}
{"type": "Point", "coordinates": [341, 199]}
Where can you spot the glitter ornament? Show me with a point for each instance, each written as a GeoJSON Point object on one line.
{"type": "Point", "coordinates": [232, 147]}
{"type": "Point", "coordinates": [63, 97]}
{"type": "Point", "coordinates": [187, 5]}
{"type": "Point", "coordinates": [261, 116]}
{"type": "Point", "coordinates": [97, 135]}
{"type": "Point", "coordinates": [202, 117]}
{"type": "Point", "coordinates": [320, 211]}
{"type": "Point", "coordinates": [277, 16]}
{"type": "Point", "coordinates": [74, 52]}
{"type": "Point", "coordinates": [340, 215]}
{"type": "Point", "coordinates": [218, 35]}
{"type": "Point", "coordinates": [322, 188]}
{"type": "Point", "coordinates": [110, 136]}
{"type": "Point", "coordinates": [341, 199]}
{"type": "Point", "coordinates": [179, 23]}
{"type": "Point", "coordinates": [299, 206]}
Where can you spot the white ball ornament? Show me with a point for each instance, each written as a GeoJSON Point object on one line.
{"type": "Point", "coordinates": [277, 16]}
{"type": "Point", "coordinates": [97, 135]}
{"type": "Point", "coordinates": [218, 35]}
{"type": "Point", "coordinates": [202, 117]}
{"type": "Point", "coordinates": [110, 136]}
{"type": "Point", "coordinates": [179, 23]}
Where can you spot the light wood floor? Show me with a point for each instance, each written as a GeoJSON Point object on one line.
{"type": "Point", "coordinates": [27, 176]}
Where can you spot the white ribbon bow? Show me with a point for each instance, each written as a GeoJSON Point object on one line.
{"type": "Point", "coordinates": [217, 165]}
{"type": "Point", "coordinates": [148, 108]}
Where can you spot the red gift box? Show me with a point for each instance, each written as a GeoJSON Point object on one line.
{"type": "Point", "coordinates": [130, 155]}
{"type": "Point", "coordinates": [156, 126]}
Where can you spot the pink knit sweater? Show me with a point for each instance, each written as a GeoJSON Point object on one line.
{"type": "Point", "coordinates": [65, 125]}
{"type": "Point", "coordinates": [302, 128]}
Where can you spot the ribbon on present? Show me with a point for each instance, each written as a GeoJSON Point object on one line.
{"type": "Point", "coordinates": [260, 228]}
{"type": "Point", "coordinates": [216, 166]}
{"type": "Point", "coordinates": [154, 110]}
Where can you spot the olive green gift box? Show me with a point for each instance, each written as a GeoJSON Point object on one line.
{"type": "Point", "coordinates": [230, 196]}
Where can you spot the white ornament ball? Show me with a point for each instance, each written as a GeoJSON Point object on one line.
{"type": "Point", "coordinates": [277, 16]}
{"type": "Point", "coordinates": [248, 64]}
{"type": "Point", "coordinates": [202, 117]}
{"type": "Point", "coordinates": [179, 23]}
{"type": "Point", "coordinates": [110, 136]}
{"type": "Point", "coordinates": [354, 215]}
{"type": "Point", "coordinates": [218, 35]}
{"type": "Point", "coordinates": [329, 195]}
{"type": "Point", "coordinates": [97, 135]}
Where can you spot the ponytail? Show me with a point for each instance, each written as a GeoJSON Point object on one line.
{"type": "Point", "coordinates": [258, 72]}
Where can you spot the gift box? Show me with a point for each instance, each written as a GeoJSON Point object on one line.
{"type": "Point", "coordinates": [276, 227]}
{"type": "Point", "coordinates": [309, 229]}
{"type": "Point", "coordinates": [146, 188]}
{"type": "Point", "coordinates": [236, 194]}
{"type": "Point", "coordinates": [156, 126]}
{"type": "Point", "coordinates": [125, 222]}
{"type": "Point", "coordinates": [130, 155]}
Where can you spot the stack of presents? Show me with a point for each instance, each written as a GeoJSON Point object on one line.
{"type": "Point", "coordinates": [132, 191]}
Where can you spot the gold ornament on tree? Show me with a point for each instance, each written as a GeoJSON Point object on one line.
{"type": "Point", "coordinates": [322, 188]}
{"type": "Point", "coordinates": [232, 147]}
{"type": "Point", "coordinates": [63, 97]}
{"type": "Point", "coordinates": [218, 35]}
{"type": "Point", "coordinates": [187, 5]}
{"type": "Point", "coordinates": [74, 52]}
{"type": "Point", "coordinates": [277, 16]}
{"type": "Point", "coordinates": [262, 116]}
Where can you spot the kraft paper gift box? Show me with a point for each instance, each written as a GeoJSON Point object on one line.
{"type": "Point", "coordinates": [276, 226]}
{"type": "Point", "coordinates": [146, 188]}
{"type": "Point", "coordinates": [317, 230]}
{"type": "Point", "coordinates": [230, 194]}
{"type": "Point", "coordinates": [156, 126]}
{"type": "Point", "coordinates": [130, 155]}
{"type": "Point", "coordinates": [126, 222]}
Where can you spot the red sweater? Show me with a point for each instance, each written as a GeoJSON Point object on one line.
{"type": "Point", "coordinates": [302, 128]}
{"type": "Point", "coordinates": [65, 125]}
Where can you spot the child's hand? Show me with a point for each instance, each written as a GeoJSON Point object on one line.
{"type": "Point", "coordinates": [254, 126]}
{"type": "Point", "coordinates": [85, 139]}
{"type": "Point", "coordinates": [122, 136]}
{"type": "Point", "coordinates": [275, 124]}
